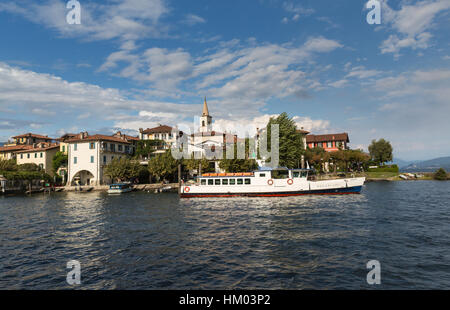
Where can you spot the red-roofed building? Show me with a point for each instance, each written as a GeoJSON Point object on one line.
{"type": "Point", "coordinates": [30, 138]}
{"type": "Point", "coordinates": [40, 154]}
{"type": "Point", "coordinates": [10, 151]}
{"type": "Point", "coordinates": [329, 142]}
{"type": "Point", "coordinates": [89, 154]}
{"type": "Point", "coordinates": [163, 133]}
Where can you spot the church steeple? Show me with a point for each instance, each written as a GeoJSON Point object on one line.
{"type": "Point", "coordinates": [205, 109]}
{"type": "Point", "coordinates": [205, 119]}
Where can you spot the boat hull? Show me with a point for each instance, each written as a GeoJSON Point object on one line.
{"type": "Point", "coordinates": [335, 191]}
{"type": "Point", "coordinates": [119, 191]}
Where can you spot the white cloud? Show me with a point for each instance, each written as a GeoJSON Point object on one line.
{"type": "Point", "coordinates": [412, 22]}
{"type": "Point", "coordinates": [252, 72]}
{"type": "Point", "coordinates": [297, 9]}
{"type": "Point", "coordinates": [192, 19]}
{"type": "Point", "coordinates": [362, 73]}
{"type": "Point", "coordinates": [339, 84]}
{"type": "Point", "coordinates": [266, 71]}
{"type": "Point", "coordinates": [124, 20]}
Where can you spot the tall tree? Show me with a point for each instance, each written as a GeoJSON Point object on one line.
{"type": "Point", "coordinates": [163, 166]}
{"type": "Point", "coordinates": [291, 146]}
{"type": "Point", "coordinates": [239, 164]}
{"type": "Point", "coordinates": [381, 151]}
{"type": "Point", "coordinates": [122, 169]}
{"type": "Point", "coordinates": [60, 159]}
{"type": "Point", "coordinates": [194, 164]}
{"type": "Point", "coordinates": [317, 157]}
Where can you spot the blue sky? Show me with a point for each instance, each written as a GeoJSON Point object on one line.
{"type": "Point", "coordinates": [137, 63]}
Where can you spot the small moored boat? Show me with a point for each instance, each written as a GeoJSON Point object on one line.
{"type": "Point", "coordinates": [119, 188]}
{"type": "Point", "coordinates": [268, 183]}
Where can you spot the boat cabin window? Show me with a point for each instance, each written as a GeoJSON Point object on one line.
{"type": "Point", "coordinates": [240, 181]}
{"type": "Point", "coordinates": [262, 175]}
{"type": "Point", "coordinates": [247, 181]}
{"type": "Point", "coordinates": [304, 174]}
{"type": "Point", "coordinates": [296, 174]}
{"type": "Point", "coordinates": [210, 182]}
{"type": "Point", "coordinates": [217, 181]}
{"type": "Point", "coordinates": [224, 181]}
{"type": "Point", "coordinates": [232, 181]}
{"type": "Point", "coordinates": [280, 174]}
{"type": "Point", "coordinates": [203, 181]}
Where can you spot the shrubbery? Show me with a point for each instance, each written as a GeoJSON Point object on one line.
{"type": "Point", "coordinates": [389, 168]}
{"type": "Point", "coordinates": [440, 174]}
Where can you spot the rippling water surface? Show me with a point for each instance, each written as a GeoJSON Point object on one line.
{"type": "Point", "coordinates": [148, 241]}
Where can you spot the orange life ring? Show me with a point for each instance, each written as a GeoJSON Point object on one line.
{"type": "Point", "coordinates": [270, 182]}
{"type": "Point", "coordinates": [290, 181]}
{"type": "Point", "coordinates": [187, 189]}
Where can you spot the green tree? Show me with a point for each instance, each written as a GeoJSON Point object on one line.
{"type": "Point", "coordinates": [8, 165]}
{"type": "Point", "coordinates": [60, 159]}
{"type": "Point", "coordinates": [29, 167]}
{"type": "Point", "coordinates": [440, 174]}
{"type": "Point", "coordinates": [194, 164]}
{"type": "Point", "coordinates": [122, 169]}
{"type": "Point", "coordinates": [381, 151]}
{"type": "Point", "coordinates": [145, 148]}
{"type": "Point", "coordinates": [349, 159]}
{"type": "Point", "coordinates": [163, 166]}
{"type": "Point", "coordinates": [239, 165]}
{"type": "Point", "coordinates": [316, 157]}
{"type": "Point", "coordinates": [291, 146]}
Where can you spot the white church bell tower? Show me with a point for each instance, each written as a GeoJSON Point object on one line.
{"type": "Point", "coordinates": [205, 119]}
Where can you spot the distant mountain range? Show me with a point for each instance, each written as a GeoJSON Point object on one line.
{"type": "Point", "coordinates": [425, 166]}
{"type": "Point", "coordinates": [403, 163]}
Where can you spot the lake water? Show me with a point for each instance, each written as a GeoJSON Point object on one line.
{"type": "Point", "coordinates": [157, 241]}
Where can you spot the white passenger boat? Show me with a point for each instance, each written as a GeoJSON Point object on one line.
{"type": "Point", "coordinates": [268, 183]}
{"type": "Point", "coordinates": [119, 188]}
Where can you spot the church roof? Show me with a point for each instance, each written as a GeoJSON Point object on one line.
{"type": "Point", "coordinates": [205, 111]}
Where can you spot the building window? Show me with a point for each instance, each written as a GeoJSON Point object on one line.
{"type": "Point", "coordinates": [64, 148]}
{"type": "Point", "coordinates": [92, 159]}
{"type": "Point", "coordinates": [28, 155]}
{"type": "Point", "coordinates": [21, 156]}
{"type": "Point", "coordinates": [41, 166]}
{"type": "Point", "coordinates": [104, 159]}
{"type": "Point", "coordinates": [75, 147]}
{"type": "Point", "coordinates": [42, 155]}
{"type": "Point", "coordinates": [74, 160]}
{"type": "Point", "coordinates": [92, 146]}
{"type": "Point", "coordinates": [120, 147]}
{"type": "Point", "coordinates": [112, 147]}
{"type": "Point", "coordinates": [35, 155]}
